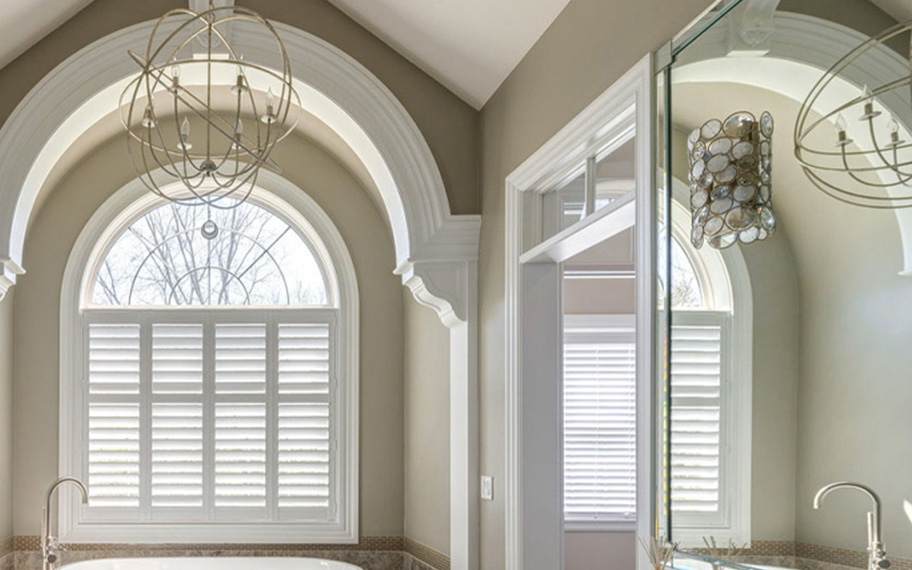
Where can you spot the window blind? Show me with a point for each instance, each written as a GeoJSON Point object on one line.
{"type": "Point", "coordinates": [697, 466]}
{"type": "Point", "coordinates": [209, 419]}
{"type": "Point", "coordinates": [599, 420]}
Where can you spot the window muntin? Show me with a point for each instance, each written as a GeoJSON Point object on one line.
{"type": "Point", "coordinates": [256, 258]}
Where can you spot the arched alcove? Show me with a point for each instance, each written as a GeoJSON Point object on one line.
{"type": "Point", "coordinates": [436, 252]}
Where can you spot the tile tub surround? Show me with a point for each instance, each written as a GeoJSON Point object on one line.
{"type": "Point", "coordinates": [807, 556]}
{"type": "Point", "coordinates": [7, 554]}
{"type": "Point", "coordinates": [371, 553]}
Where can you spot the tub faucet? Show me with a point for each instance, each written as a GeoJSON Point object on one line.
{"type": "Point", "coordinates": [877, 554]}
{"type": "Point", "coordinates": [49, 546]}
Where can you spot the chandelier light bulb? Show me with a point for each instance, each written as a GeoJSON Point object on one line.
{"type": "Point", "coordinates": [269, 117]}
{"type": "Point", "coordinates": [185, 128]}
{"type": "Point", "coordinates": [148, 121]}
{"type": "Point", "coordinates": [893, 126]}
{"type": "Point", "coordinates": [840, 124]}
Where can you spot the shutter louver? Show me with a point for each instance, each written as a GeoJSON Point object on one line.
{"type": "Point", "coordinates": [696, 364]}
{"type": "Point", "coordinates": [304, 458]}
{"type": "Point", "coordinates": [599, 426]}
{"type": "Point", "coordinates": [113, 364]}
{"type": "Point", "coordinates": [240, 456]}
{"type": "Point", "coordinates": [202, 418]}
{"type": "Point", "coordinates": [304, 426]}
{"type": "Point", "coordinates": [240, 417]}
{"type": "Point", "coordinates": [303, 359]}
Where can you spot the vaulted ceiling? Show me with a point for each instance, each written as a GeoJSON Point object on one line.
{"type": "Point", "coordinates": [470, 46]}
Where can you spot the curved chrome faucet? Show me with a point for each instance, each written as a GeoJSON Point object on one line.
{"type": "Point", "coordinates": [878, 556]}
{"type": "Point", "coordinates": [49, 546]}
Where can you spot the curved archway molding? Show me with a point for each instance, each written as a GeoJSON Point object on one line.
{"type": "Point", "coordinates": [801, 52]}
{"type": "Point", "coordinates": [334, 87]}
{"type": "Point", "coordinates": [436, 252]}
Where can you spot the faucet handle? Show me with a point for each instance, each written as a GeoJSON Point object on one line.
{"type": "Point", "coordinates": [883, 563]}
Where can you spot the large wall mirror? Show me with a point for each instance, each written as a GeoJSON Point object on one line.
{"type": "Point", "coordinates": [785, 295]}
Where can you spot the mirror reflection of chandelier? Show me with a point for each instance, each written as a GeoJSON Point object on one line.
{"type": "Point", "coordinates": [865, 162]}
{"type": "Point", "coordinates": [198, 113]}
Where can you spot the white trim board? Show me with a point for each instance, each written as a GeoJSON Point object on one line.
{"type": "Point", "coordinates": [531, 525]}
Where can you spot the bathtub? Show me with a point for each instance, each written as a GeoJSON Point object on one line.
{"type": "Point", "coordinates": [211, 563]}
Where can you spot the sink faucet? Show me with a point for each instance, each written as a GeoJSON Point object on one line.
{"type": "Point", "coordinates": [877, 554]}
{"type": "Point", "coordinates": [49, 546]}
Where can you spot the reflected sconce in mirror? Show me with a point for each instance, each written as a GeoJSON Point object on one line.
{"type": "Point", "coordinates": [865, 162]}
{"type": "Point", "coordinates": [730, 190]}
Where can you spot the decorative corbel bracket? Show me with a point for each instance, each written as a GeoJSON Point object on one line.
{"type": "Point", "coordinates": [440, 274]}
{"type": "Point", "coordinates": [9, 271]}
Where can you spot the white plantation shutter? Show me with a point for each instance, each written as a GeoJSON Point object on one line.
{"type": "Point", "coordinates": [303, 420]}
{"type": "Point", "coordinates": [113, 382]}
{"type": "Point", "coordinates": [207, 416]}
{"type": "Point", "coordinates": [599, 420]}
{"type": "Point", "coordinates": [699, 378]}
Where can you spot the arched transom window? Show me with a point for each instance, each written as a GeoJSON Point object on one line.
{"type": "Point", "coordinates": [215, 373]}
{"type": "Point", "coordinates": [176, 255]}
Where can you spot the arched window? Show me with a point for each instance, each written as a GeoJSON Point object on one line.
{"type": "Point", "coordinates": [711, 391]}
{"type": "Point", "coordinates": [218, 387]}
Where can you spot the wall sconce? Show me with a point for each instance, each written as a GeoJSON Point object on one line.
{"type": "Point", "coordinates": [730, 176]}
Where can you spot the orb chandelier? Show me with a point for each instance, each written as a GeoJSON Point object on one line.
{"type": "Point", "coordinates": [865, 162]}
{"type": "Point", "coordinates": [730, 181]}
{"type": "Point", "coordinates": [200, 120]}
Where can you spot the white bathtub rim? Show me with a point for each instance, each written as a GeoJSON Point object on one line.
{"type": "Point", "coordinates": [209, 563]}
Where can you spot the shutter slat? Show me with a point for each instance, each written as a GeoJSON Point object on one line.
{"type": "Point", "coordinates": [696, 411]}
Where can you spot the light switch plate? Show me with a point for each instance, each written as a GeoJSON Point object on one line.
{"type": "Point", "coordinates": [487, 488]}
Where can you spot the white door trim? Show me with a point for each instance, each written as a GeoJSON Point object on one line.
{"type": "Point", "coordinates": [578, 139]}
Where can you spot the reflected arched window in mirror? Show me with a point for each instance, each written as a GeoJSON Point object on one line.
{"type": "Point", "coordinates": [710, 374]}
{"type": "Point", "coordinates": [176, 255]}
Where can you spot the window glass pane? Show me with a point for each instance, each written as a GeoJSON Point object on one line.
{"type": "Point", "coordinates": [615, 174]}
{"type": "Point", "coordinates": [163, 258]}
{"type": "Point", "coordinates": [564, 205]}
{"type": "Point", "coordinates": [686, 292]}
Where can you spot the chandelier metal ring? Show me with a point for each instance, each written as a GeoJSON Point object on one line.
{"type": "Point", "coordinates": [872, 172]}
{"type": "Point", "coordinates": [200, 114]}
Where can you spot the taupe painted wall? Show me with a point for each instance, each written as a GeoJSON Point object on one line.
{"type": "Point", "coordinates": [449, 125]}
{"type": "Point", "coordinates": [590, 45]}
{"type": "Point", "coordinates": [6, 416]}
{"type": "Point", "coordinates": [427, 427]}
{"type": "Point", "coordinates": [36, 326]}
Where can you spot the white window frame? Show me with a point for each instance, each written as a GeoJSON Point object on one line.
{"type": "Point", "coordinates": [303, 213]}
{"type": "Point", "coordinates": [604, 326]}
{"type": "Point", "coordinates": [725, 284]}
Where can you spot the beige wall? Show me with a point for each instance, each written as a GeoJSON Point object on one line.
{"type": "Point", "coordinates": [597, 550]}
{"type": "Point", "coordinates": [590, 45]}
{"type": "Point", "coordinates": [449, 125]}
{"type": "Point", "coordinates": [6, 416]}
{"type": "Point", "coordinates": [36, 326]}
{"type": "Point", "coordinates": [427, 427]}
